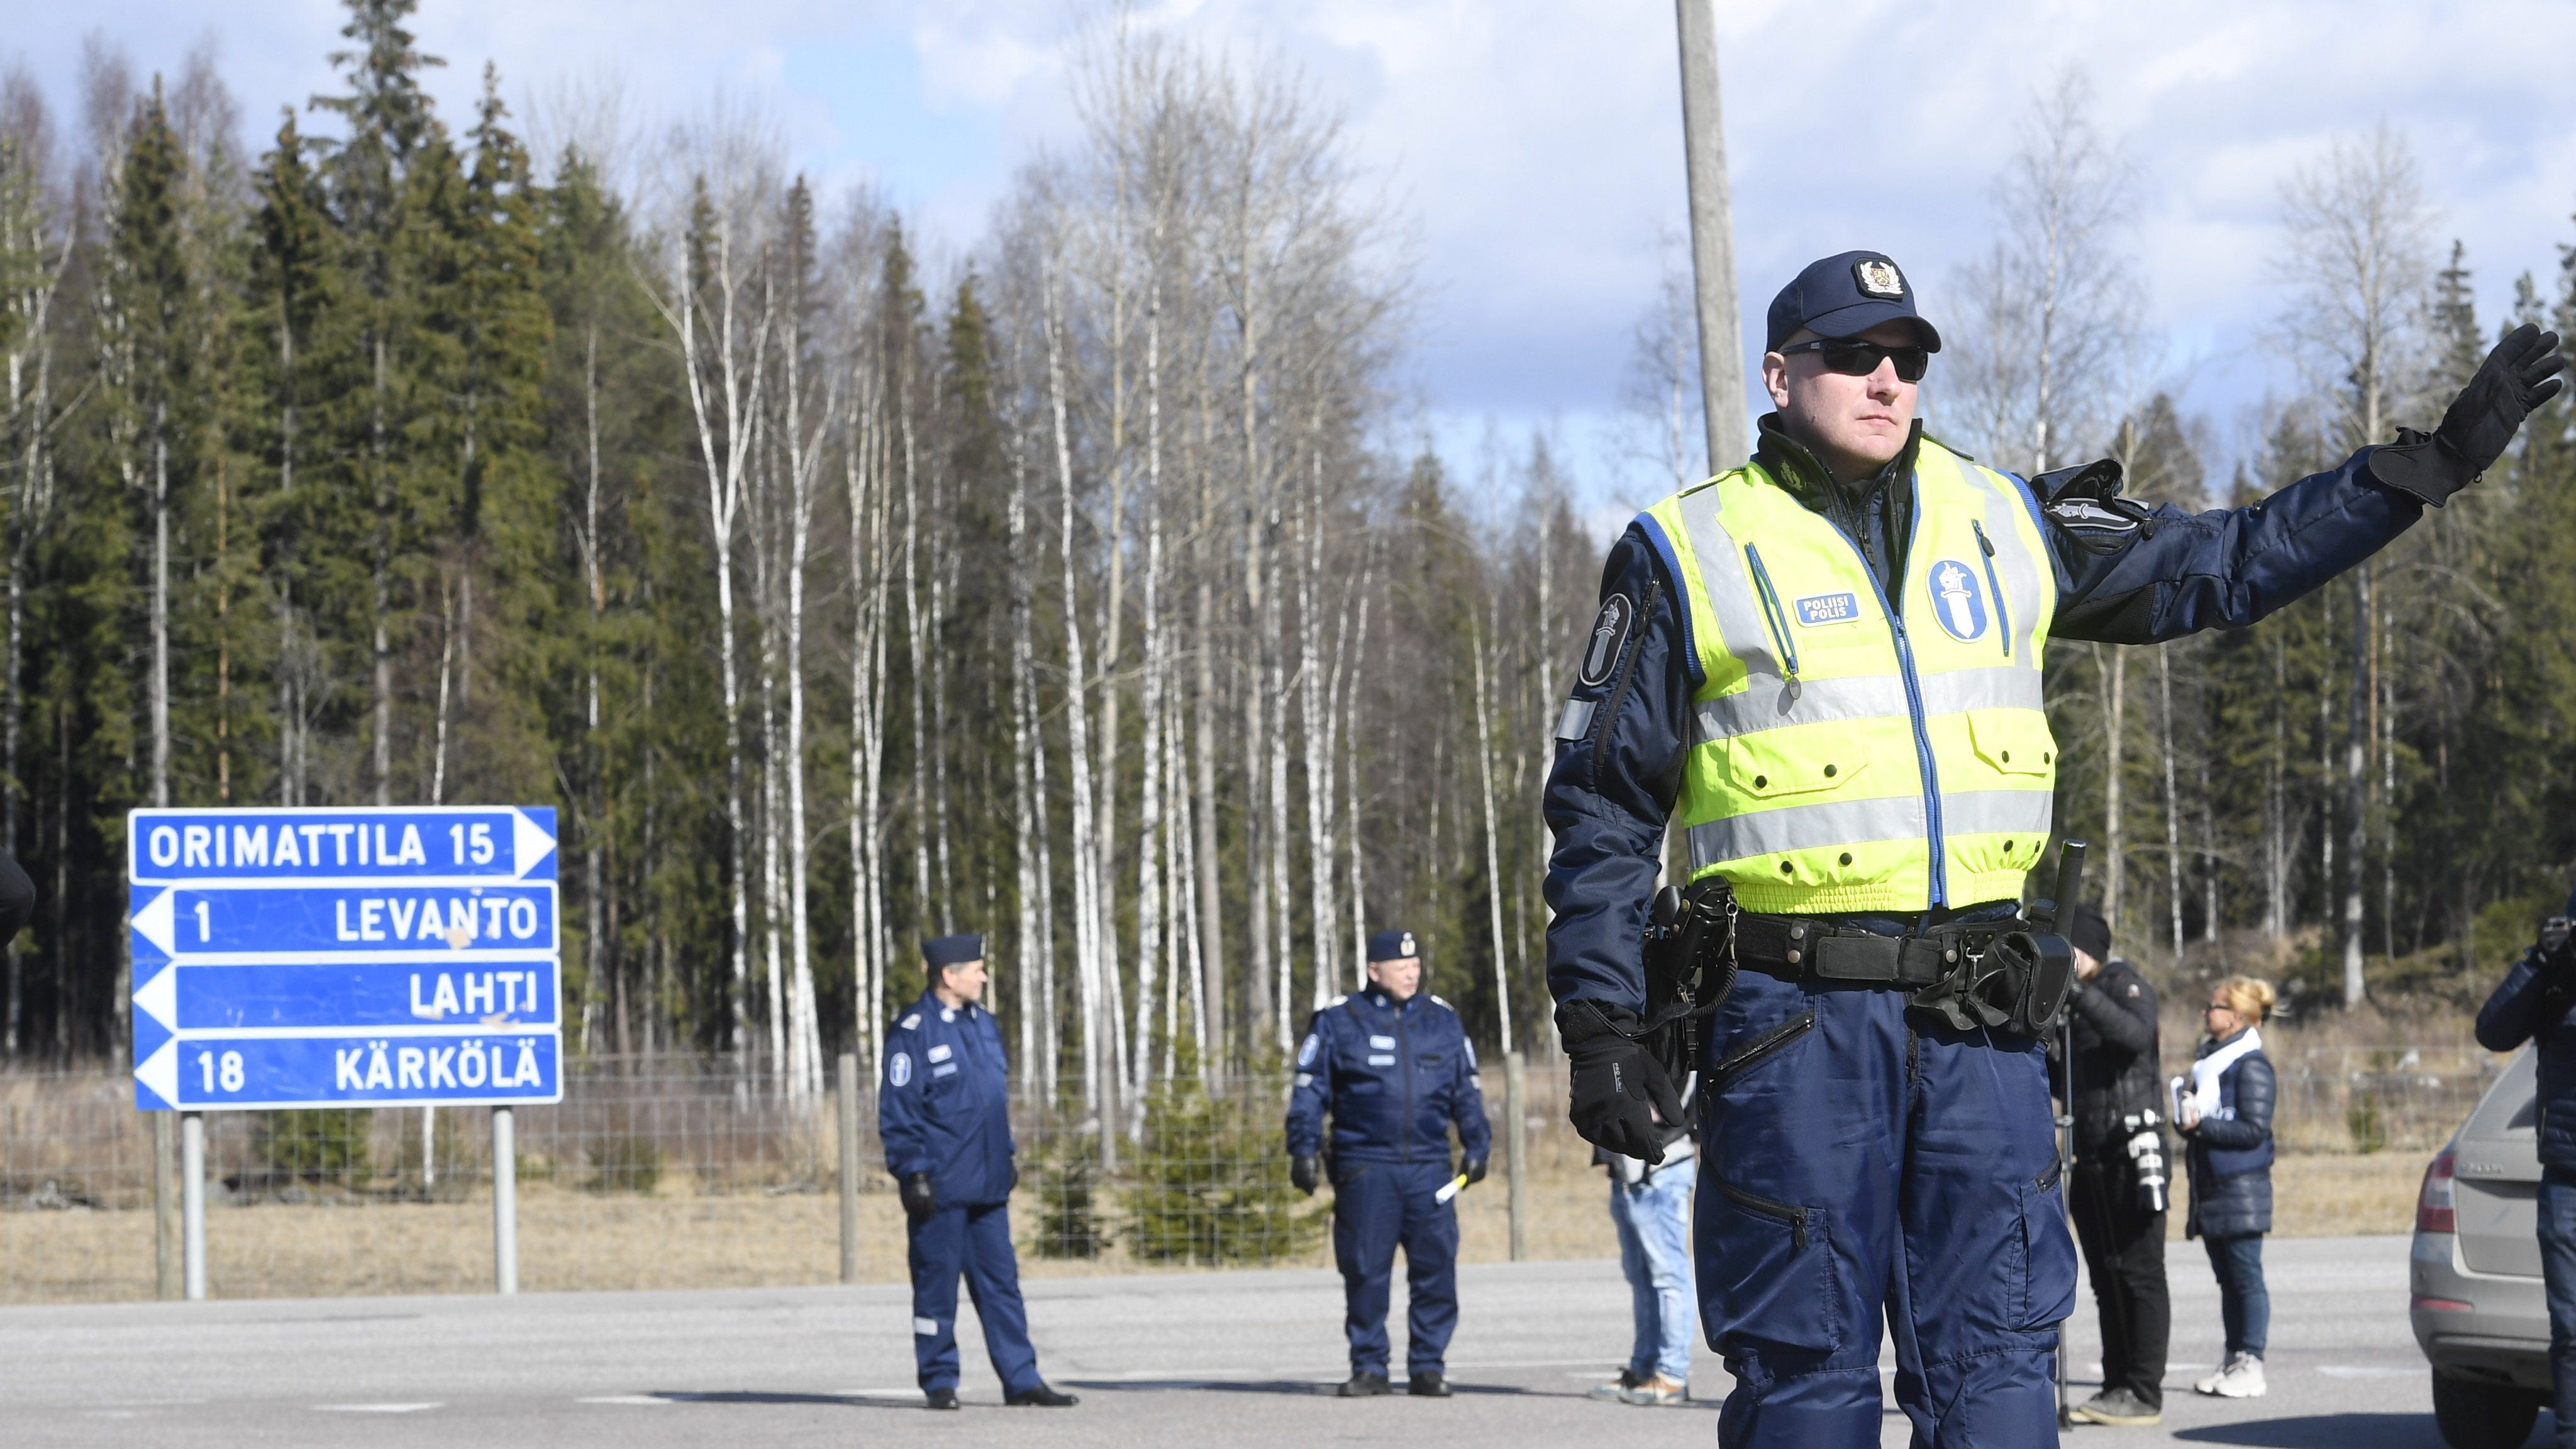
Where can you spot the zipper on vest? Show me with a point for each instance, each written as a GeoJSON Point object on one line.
{"type": "Point", "coordinates": [1772, 613]}
{"type": "Point", "coordinates": [1939, 890]}
{"type": "Point", "coordinates": [2003, 617]}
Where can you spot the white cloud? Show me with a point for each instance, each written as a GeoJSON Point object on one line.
{"type": "Point", "coordinates": [1534, 144]}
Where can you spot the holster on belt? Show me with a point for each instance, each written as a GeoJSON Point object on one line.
{"type": "Point", "coordinates": [1690, 968]}
{"type": "Point", "coordinates": [2010, 975]}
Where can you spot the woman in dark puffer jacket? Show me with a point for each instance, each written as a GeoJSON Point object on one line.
{"type": "Point", "coordinates": [2225, 1115]}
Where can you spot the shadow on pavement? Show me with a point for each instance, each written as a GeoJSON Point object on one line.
{"type": "Point", "coordinates": [2322, 1431]}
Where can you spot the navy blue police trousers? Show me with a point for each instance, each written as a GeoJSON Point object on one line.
{"type": "Point", "coordinates": [1376, 1206]}
{"type": "Point", "coordinates": [1859, 1165]}
{"type": "Point", "coordinates": [974, 1241]}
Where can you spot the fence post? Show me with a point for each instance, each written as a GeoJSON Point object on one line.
{"type": "Point", "coordinates": [1516, 1141]}
{"type": "Point", "coordinates": [849, 1167]}
{"type": "Point", "coordinates": [192, 1200]}
{"type": "Point", "coordinates": [165, 1205]}
{"type": "Point", "coordinates": [505, 1202]}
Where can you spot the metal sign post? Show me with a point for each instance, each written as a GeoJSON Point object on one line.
{"type": "Point", "coordinates": [344, 958]}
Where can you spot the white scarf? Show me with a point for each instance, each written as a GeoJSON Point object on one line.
{"type": "Point", "coordinates": [2206, 1072]}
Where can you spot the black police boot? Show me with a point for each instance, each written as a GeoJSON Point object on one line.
{"type": "Point", "coordinates": [1428, 1386]}
{"type": "Point", "coordinates": [943, 1398]}
{"type": "Point", "coordinates": [1363, 1385]}
{"type": "Point", "coordinates": [1039, 1395]}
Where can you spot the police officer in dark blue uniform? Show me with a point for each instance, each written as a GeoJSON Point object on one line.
{"type": "Point", "coordinates": [945, 1119]}
{"type": "Point", "coordinates": [2532, 1005]}
{"type": "Point", "coordinates": [1875, 1134]}
{"type": "Point", "coordinates": [1395, 1069]}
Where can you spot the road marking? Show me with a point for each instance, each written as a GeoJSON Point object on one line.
{"type": "Point", "coordinates": [2371, 1370]}
{"type": "Point", "coordinates": [371, 1408]}
{"type": "Point", "coordinates": [625, 1399]}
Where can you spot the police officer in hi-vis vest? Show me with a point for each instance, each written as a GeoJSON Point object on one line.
{"type": "Point", "coordinates": [1822, 667]}
{"type": "Point", "coordinates": [944, 1116]}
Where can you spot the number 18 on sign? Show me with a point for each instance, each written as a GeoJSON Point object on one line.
{"type": "Point", "coordinates": [344, 957]}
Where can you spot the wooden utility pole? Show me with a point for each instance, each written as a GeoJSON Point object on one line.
{"type": "Point", "coordinates": [1721, 332]}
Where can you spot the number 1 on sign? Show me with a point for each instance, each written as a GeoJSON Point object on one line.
{"type": "Point", "coordinates": [205, 930]}
{"type": "Point", "coordinates": [479, 851]}
{"type": "Point", "coordinates": [230, 1070]}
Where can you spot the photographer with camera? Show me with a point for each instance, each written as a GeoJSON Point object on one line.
{"type": "Point", "coordinates": [2532, 1005]}
{"type": "Point", "coordinates": [2118, 1189]}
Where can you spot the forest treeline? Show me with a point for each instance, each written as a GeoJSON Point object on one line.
{"type": "Point", "coordinates": [1088, 589]}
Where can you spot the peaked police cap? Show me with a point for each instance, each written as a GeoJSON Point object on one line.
{"type": "Point", "coordinates": [952, 950]}
{"type": "Point", "coordinates": [1391, 946]}
{"type": "Point", "coordinates": [1845, 296]}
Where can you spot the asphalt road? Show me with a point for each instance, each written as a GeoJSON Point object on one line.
{"type": "Point", "coordinates": [1230, 1358]}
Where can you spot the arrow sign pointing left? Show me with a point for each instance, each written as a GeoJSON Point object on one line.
{"type": "Point", "coordinates": [154, 923]}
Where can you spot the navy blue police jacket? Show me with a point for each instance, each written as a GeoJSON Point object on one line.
{"type": "Point", "coordinates": [2126, 574]}
{"type": "Point", "coordinates": [1395, 1077]}
{"type": "Point", "coordinates": [2527, 1008]}
{"type": "Point", "coordinates": [945, 1105]}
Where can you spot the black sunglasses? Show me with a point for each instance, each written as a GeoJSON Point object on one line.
{"type": "Point", "coordinates": [1854, 357]}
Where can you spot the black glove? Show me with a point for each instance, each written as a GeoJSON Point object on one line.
{"type": "Point", "coordinates": [1475, 1171]}
{"type": "Point", "coordinates": [2517, 377]}
{"type": "Point", "coordinates": [919, 1202]}
{"type": "Point", "coordinates": [1614, 1082]}
{"type": "Point", "coordinates": [1305, 1174]}
{"type": "Point", "coordinates": [2557, 952]}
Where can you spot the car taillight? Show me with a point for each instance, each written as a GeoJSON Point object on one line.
{"type": "Point", "coordinates": [2433, 1205]}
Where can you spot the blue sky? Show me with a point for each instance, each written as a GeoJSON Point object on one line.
{"type": "Point", "coordinates": [1533, 148]}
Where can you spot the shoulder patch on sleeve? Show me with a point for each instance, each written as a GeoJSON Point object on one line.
{"type": "Point", "coordinates": [1306, 1053]}
{"type": "Point", "coordinates": [899, 1068]}
{"type": "Point", "coordinates": [1610, 629]}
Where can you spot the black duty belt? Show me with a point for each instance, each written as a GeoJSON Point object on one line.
{"type": "Point", "coordinates": [1797, 947]}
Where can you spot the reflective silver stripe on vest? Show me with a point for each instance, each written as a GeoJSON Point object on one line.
{"type": "Point", "coordinates": [2014, 566]}
{"type": "Point", "coordinates": [1998, 686]}
{"type": "Point", "coordinates": [1729, 591]}
{"type": "Point", "coordinates": [1770, 704]}
{"type": "Point", "coordinates": [1997, 812]}
{"type": "Point", "coordinates": [1807, 827]}
{"type": "Point", "coordinates": [1859, 822]}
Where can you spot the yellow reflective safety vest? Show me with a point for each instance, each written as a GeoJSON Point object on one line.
{"type": "Point", "coordinates": [1849, 751]}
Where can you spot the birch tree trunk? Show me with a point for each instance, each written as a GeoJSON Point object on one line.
{"type": "Point", "coordinates": [1086, 868]}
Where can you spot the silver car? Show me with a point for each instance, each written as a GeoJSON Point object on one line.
{"type": "Point", "coordinates": [2477, 1305]}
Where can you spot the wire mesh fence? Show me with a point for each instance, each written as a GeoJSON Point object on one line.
{"type": "Point", "coordinates": [669, 1172]}
{"type": "Point", "coordinates": [673, 1172]}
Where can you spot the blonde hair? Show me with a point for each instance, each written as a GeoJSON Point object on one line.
{"type": "Point", "coordinates": [2249, 997]}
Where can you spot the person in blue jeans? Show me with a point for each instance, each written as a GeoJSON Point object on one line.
{"type": "Point", "coordinates": [2531, 1004]}
{"type": "Point", "coordinates": [1650, 1205]}
{"type": "Point", "coordinates": [2226, 1118]}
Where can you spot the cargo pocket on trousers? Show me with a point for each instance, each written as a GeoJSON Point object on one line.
{"type": "Point", "coordinates": [1772, 1269]}
{"type": "Point", "coordinates": [2047, 1253]}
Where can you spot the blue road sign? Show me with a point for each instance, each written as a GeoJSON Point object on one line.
{"type": "Point", "coordinates": [287, 958]}
{"type": "Point", "coordinates": [412, 919]}
{"type": "Point", "coordinates": [452, 844]}
{"type": "Point", "coordinates": [383, 1069]}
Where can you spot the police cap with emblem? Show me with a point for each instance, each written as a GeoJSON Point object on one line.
{"type": "Point", "coordinates": [946, 951]}
{"type": "Point", "coordinates": [1845, 296]}
{"type": "Point", "coordinates": [1391, 946]}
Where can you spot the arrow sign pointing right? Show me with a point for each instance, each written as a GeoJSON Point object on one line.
{"type": "Point", "coordinates": [529, 843]}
